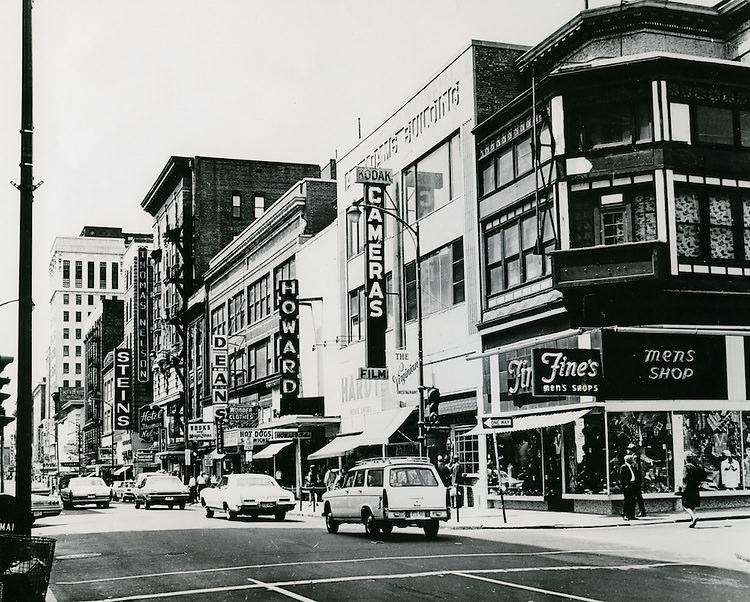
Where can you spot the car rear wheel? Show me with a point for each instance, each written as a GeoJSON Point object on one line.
{"type": "Point", "coordinates": [332, 525]}
{"type": "Point", "coordinates": [231, 515]}
{"type": "Point", "coordinates": [431, 529]}
{"type": "Point", "coordinates": [371, 526]}
{"type": "Point", "coordinates": [170, 506]}
{"type": "Point", "coordinates": [137, 504]}
{"type": "Point", "coordinates": [279, 514]}
{"type": "Point", "coordinates": [105, 505]}
{"type": "Point", "coordinates": [146, 504]}
{"type": "Point", "coordinates": [209, 512]}
{"type": "Point", "coordinates": [182, 505]}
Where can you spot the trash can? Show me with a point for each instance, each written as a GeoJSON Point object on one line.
{"type": "Point", "coordinates": [467, 484]}
{"type": "Point", "coordinates": [25, 567]}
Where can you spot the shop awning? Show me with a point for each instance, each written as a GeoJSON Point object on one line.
{"type": "Point", "coordinates": [533, 421]}
{"type": "Point", "coordinates": [123, 470]}
{"type": "Point", "coordinates": [214, 455]}
{"type": "Point", "coordinates": [380, 426]}
{"type": "Point", "coordinates": [270, 450]}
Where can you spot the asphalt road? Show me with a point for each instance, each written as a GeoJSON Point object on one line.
{"type": "Point", "coordinates": [125, 554]}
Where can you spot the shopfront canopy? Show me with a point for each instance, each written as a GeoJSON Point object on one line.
{"type": "Point", "coordinates": [380, 426]}
{"type": "Point", "coordinates": [123, 470]}
{"type": "Point", "coordinates": [270, 450]}
{"type": "Point", "coordinates": [532, 421]}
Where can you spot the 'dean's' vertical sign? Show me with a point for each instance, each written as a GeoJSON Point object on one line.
{"type": "Point", "coordinates": [141, 317]}
{"type": "Point", "coordinates": [376, 316]}
{"type": "Point", "coordinates": [123, 389]}
{"type": "Point", "coordinates": [289, 338]}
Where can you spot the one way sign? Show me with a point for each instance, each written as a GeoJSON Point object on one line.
{"type": "Point", "coordinates": [499, 423]}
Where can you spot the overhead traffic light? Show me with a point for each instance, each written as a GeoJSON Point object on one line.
{"type": "Point", "coordinates": [431, 405]}
{"type": "Point", "coordinates": [4, 380]}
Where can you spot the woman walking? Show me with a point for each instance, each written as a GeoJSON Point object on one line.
{"type": "Point", "coordinates": [692, 479]}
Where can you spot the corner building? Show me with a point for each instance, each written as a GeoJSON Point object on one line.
{"type": "Point", "coordinates": [614, 228]}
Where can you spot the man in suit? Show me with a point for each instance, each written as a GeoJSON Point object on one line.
{"type": "Point", "coordinates": [628, 485]}
{"type": "Point", "coordinates": [638, 467]}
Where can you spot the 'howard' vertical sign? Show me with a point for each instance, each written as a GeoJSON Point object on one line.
{"type": "Point", "coordinates": [123, 389]}
{"type": "Point", "coordinates": [289, 338]}
{"type": "Point", "coordinates": [375, 309]}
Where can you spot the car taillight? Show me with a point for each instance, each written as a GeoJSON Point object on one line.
{"type": "Point", "coordinates": [385, 499]}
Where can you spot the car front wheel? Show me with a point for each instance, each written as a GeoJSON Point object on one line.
{"type": "Point", "coordinates": [332, 525]}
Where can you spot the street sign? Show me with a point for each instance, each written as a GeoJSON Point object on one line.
{"type": "Point", "coordinates": [499, 423]}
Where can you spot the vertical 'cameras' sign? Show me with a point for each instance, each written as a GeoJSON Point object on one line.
{"type": "Point", "coordinates": [289, 338]}
{"type": "Point", "coordinates": [375, 311]}
{"type": "Point", "coordinates": [123, 389]}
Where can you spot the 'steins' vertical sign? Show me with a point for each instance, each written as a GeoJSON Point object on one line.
{"type": "Point", "coordinates": [123, 389]}
{"type": "Point", "coordinates": [289, 338]}
{"type": "Point", "coordinates": [376, 315]}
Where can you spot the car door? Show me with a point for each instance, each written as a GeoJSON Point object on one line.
{"type": "Point", "coordinates": [356, 494]}
{"type": "Point", "coordinates": [345, 503]}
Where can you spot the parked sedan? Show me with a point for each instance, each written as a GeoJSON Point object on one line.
{"type": "Point", "coordinates": [163, 490]}
{"type": "Point", "coordinates": [250, 494]}
{"type": "Point", "coordinates": [43, 506]}
{"type": "Point", "coordinates": [85, 490]}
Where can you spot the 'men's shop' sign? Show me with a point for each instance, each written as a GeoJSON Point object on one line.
{"type": "Point", "coordinates": [566, 372]}
{"type": "Point", "coordinates": [664, 366]}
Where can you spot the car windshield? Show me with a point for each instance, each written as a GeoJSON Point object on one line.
{"type": "Point", "coordinates": [253, 481]}
{"type": "Point", "coordinates": [164, 482]}
{"type": "Point", "coordinates": [412, 477]}
{"type": "Point", "coordinates": [87, 483]}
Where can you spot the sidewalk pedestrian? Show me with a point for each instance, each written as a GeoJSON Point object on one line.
{"type": "Point", "coordinates": [628, 487]}
{"type": "Point", "coordinates": [635, 451]}
{"type": "Point", "coordinates": [691, 481]}
{"type": "Point", "coordinates": [193, 486]}
{"type": "Point", "coordinates": [200, 482]}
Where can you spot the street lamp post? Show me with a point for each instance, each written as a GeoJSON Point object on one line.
{"type": "Point", "coordinates": [353, 214]}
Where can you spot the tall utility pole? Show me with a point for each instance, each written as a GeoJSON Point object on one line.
{"type": "Point", "coordinates": [24, 400]}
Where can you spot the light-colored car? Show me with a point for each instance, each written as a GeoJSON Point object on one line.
{"type": "Point", "coordinates": [161, 490]}
{"type": "Point", "coordinates": [383, 493]}
{"type": "Point", "coordinates": [85, 490]}
{"type": "Point", "coordinates": [123, 491]}
{"type": "Point", "coordinates": [43, 506]}
{"type": "Point", "coordinates": [247, 494]}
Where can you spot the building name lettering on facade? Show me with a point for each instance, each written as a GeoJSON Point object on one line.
{"type": "Point", "coordinates": [675, 360]}
{"type": "Point", "coordinates": [429, 116]}
{"type": "Point", "coordinates": [289, 338]}
{"type": "Point", "coordinates": [142, 318]}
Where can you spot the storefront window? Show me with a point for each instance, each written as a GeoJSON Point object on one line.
{"type": "Point", "coordinates": [712, 436]}
{"type": "Point", "coordinates": [585, 453]}
{"type": "Point", "coordinates": [745, 460]}
{"type": "Point", "coordinates": [652, 433]}
{"type": "Point", "coordinates": [514, 463]}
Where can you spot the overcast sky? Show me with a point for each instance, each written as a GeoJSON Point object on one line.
{"type": "Point", "coordinates": [120, 86]}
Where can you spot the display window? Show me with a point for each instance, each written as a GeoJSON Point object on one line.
{"type": "Point", "coordinates": [651, 432]}
{"type": "Point", "coordinates": [585, 453]}
{"type": "Point", "coordinates": [745, 461]}
{"type": "Point", "coordinates": [716, 439]}
{"type": "Point", "coordinates": [514, 463]}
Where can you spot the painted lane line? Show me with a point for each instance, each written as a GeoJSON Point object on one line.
{"type": "Point", "coordinates": [384, 577]}
{"type": "Point", "coordinates": [330, 562]}
{"type": "Point", "coordinates": [283, 592]}
{"type": "Point", "coordinates": [527, 588]}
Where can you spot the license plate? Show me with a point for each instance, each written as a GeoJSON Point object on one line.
{"type": "Point", "coordinates": [169, 499]}
{"type": "Point", "coordinates": [416, 514]}
{"type": "Point", "coordinates": [267, 504]}
{"type": "Point", "coordinates": [37, 513]}
{"type": "Point", "coordinates": [92, 495]}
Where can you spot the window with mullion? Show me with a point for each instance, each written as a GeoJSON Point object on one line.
{"type": "Point", "coordinates": [442, 274]}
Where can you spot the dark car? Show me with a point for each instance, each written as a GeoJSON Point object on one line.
{"type": "Point", "coordinates": [162, 490]}
{"type": "Point", "coordinates": [43, 506]}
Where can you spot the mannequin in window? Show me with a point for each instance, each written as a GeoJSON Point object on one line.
{"type": "Point", "coordinates": [730, 471]}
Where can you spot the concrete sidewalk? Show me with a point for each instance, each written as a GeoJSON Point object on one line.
{"type": "Point", "coordinates": [479, 518]}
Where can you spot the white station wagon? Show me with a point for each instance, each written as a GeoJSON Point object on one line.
{"type": "Point", "coordinates": [383, 493]}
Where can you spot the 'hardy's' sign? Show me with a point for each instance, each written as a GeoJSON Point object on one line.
{"type": "Point", "coordinates": [141, 316]}
{"type": "Point", "coordinates": [289, 338]}
{"type": "Point", "coordinates": [375, 309]}
{"type": "Point", "coordinates": [123, 389]}
{"type": "Point", "coordinates": [219, 368]}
